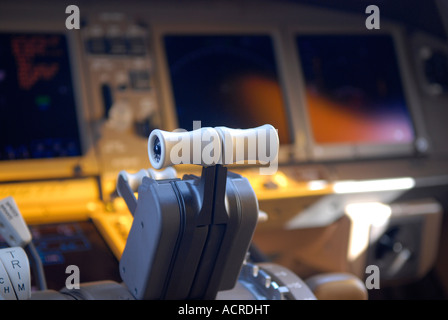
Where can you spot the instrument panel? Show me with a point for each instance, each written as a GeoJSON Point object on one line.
{"type": "Point", "coordinates": [350, 104]}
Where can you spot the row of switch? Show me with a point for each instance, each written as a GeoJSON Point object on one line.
{"type": "Point", "coordinates": [116, 46]}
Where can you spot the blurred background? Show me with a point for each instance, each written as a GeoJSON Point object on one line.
{"type": "Point", "coordinates": [360, 112]}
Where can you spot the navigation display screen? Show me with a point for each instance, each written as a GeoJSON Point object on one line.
{"type": "Point", "coordinates": [354, 93]}
{"type": "Point", "coordinates": [37, 103]}
{"type": "Point", "coordinates": [226, 80]}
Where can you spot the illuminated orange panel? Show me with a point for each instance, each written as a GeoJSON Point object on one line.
{"type": "Point", "coordinates": [262, 99]}
{"type": "Point", "coordinates": [336, 123]}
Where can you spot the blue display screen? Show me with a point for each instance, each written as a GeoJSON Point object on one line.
{"type": "Point", "coordinates": [226, 80]}
{"type": "Point", "coordinates": [354, 91]}
{"type": "Point", "coordinates": [37, 102]}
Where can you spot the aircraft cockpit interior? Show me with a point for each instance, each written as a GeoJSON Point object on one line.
{"type": "Point", "coordinates": [223, 150]}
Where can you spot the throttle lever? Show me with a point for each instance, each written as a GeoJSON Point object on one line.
{"type": "Point", "coordinates": [128, 183]}
{"type": "Point", "coordinates": [12, 225]}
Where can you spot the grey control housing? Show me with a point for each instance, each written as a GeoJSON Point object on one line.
{"type": "Point", "coordinates": [189, 237]}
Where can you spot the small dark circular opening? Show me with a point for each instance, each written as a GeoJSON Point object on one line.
{"type": "Point", "coordinates": [157, 149]}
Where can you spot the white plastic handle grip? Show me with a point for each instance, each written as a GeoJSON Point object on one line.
{"type": "Point", "coordinates": [167, 173]}
{"type": "Point", "coordinates": [12, 226]}
{"type": "Point", "coordinates": [209, 146]}
{"type": "Point", "coordinates": [256, 145]}
{"type": "Point", "coordinates": [135, 179]}
{"type": "Point", "coordinates": [201, 146]}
